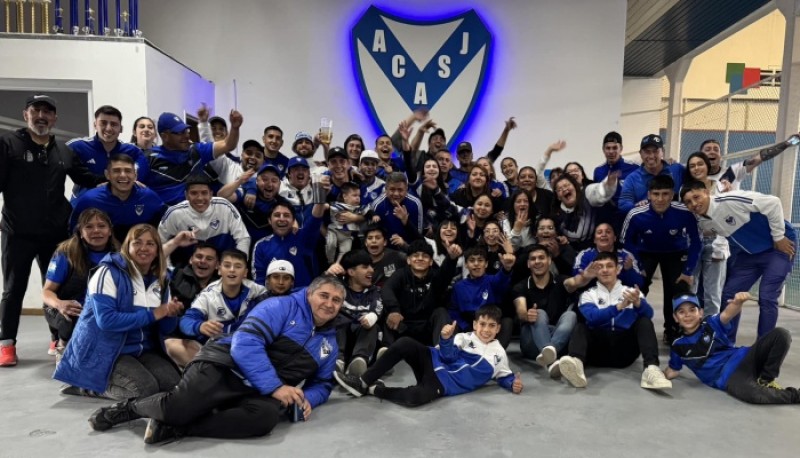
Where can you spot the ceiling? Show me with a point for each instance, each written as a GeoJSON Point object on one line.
{"type": "Point", "coordinates": [660, 32]}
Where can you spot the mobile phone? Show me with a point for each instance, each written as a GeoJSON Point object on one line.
{"type": "Point", "coordinates": [295, 413]}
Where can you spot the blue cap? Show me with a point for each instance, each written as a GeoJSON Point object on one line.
{"type": "Point", "coordinates": [302, 136]}
{"type": "Point", "coordinates": [171, 122]}
{"type": "Point", "coordinates": [295, 161]}
{"type": "Point", "coordinates": [270, 166]}
{"type": "Point", "coordinates": [690, 298]}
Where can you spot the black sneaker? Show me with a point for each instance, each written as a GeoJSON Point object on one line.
{"type": "Point", "coordinates": [105, 418]}
{"type": "Point", "coordinates": [351, 383]}
{"type": "Point", "coordinates": [71, 390]}
{"type": "Point", "coordinates": [159, 432]}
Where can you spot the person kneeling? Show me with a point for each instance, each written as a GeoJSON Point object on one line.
{"type": "Point", "coordinates": [240, 384]}
{"type": "Point", "coordinates": [458, 365]}
{"type": "Point", "coordinates": [746, 373]}
{"type": "Point", "coordinates": [618, 328]}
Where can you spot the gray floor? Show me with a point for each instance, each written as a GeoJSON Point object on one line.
{"type": "Point", "coordinates": [612, 417]}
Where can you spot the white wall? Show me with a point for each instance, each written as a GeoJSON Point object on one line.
{"type": "Point", "coordinates": [172, 87]}
{"type": "Point", "coordinates": [641, 115]}
{"type": "Point", "coordinates": [557, 65]}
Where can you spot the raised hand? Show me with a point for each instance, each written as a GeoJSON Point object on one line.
{"type": "Point", "coordinates": [511, 123]}
{"type": "Point", "coordinates": [448, 330]}
{"type": "Point", "coordinates": [203, 112]}
{"type": "Point", "coordinates": [236, 119]}
{"type": "Point", "coordinates": [516, 387]}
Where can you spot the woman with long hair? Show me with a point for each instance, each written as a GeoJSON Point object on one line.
{"type": "Point", "coordinates": [712, 268]}
{"type": "Point", "coordinates": [510, 170]}
{"type": "Point", "coordinates": [117, 347]}
{"type": "Point", "coordinates": [354, 145]}
{"type": "Point", "coordinates": [64, 290]}
{"type": "Point", "coordinates": [542, 198]}
{"type": "Point", "coordinates": [575, 211]}
{"type": "Point", "coordinates": [144, 134]}
{"type": "Point", "coordinates": [522, 214]}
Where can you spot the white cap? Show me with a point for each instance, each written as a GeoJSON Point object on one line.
{"type": "Point", "coordinates": [280, 266]}
{"type": "Point", "coordinates": [368, 154]}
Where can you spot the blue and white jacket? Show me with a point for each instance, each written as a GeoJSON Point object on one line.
{"type": "Point", "coordinates": [464, 363]}
{"type": "Point", "coordinates": [118, 312]}
{"type": "Point", "coordinates": [212, 305]}
{"type": "Point", "coordinates": [297, 248]}
{"type": "Point", "coordinates": [751, 220]}
{"type": "Point", "coordinates": [599, 306]}
{"type": "Point", "coordinates": [634, 189]}
{"type": "Point", "coordinates": [628, 277]}
{"type": "Point", "coordinates": [278, 345]}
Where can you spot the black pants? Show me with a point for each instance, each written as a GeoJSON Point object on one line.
{"type": "Point", "coordinates": [425, 331]}
{"type": "Point", "coordinates": [356, 341]}
{"type": "Point", "coordinates": [504, 336]}
{"type": "Point", "coordinates": [671, 268]}
{"type": "Point", "coordinates": [18, 255]}
{"type": "Point", "coordinates": [763, 361]}
{"type": "Point", "coordinates": [60, 326]}
{"type": "Point", "coordinates": [417, 356]}
{"type": "Point", "coordinates": [619, 348]}
{"type": "Point", "coordinates": [210, 401]}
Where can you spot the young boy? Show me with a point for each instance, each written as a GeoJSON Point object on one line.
{"type": "Point", "coordinates": [341, 231]}
{"type": "Point", "coordinates": [479, 289]}
{"type": "Point", "coordinates": [362, 308]}
{"type": "Point", "coordinates": [218, 309]}
{"type": "Point", "coordinates": [458, 365]}
{"type": "Point", "coordinates": [280, 278]}
{"type": "Point", "coordinates": [746, 373]}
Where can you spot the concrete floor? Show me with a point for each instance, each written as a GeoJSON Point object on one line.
{"type": "Point", "coordinates": [612, 417]}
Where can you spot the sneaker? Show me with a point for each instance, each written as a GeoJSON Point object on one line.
{"type": "Point", "coordinates": [547, 356]}
{"type": "Point", "coordinates": [380, 353]}
{"type": "Point", "coordinates": [59, 354]}
{"type": "Point", "coordinates": [8, 355]}
{"type": "Point", "coordinates": [357, 366]}
{"type": "Point", "coordinates": [105, 418]}
{"type": "Point", "coordinates": [52, 350]}
{"type": "Point", "coordinates": [769, 384]}
{"type": "Point", "coordinates": [654, 379]}
{"type": "Point", "coordinates": [351, 383]}
{"type": "Point", "coordinates": [72, 390]}
{"type": "Point", "coordinates": [554, 370]}
{"type": "Point", "coordinates": [378, 384]}
{"type": "Point", "coordinates": [339, 365]}
{"type": "Point", "coordinates": [572, 370]}
{"type": "Point", "coordinates": [159, 432]}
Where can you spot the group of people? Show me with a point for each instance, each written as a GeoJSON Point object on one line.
{"type": "Point", "coordinates": [240, 277]}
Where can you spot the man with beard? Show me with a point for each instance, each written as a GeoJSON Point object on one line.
{"type": "Point", "coordinates": [94, 152]}
{"type": "Point", "coordinates": [173, 162]}
{"type": "Point", "coordinates": [33, 167]}
{"type": "Point", "coordinates": [125, 203]}
{"type": "Point", "coordinates": [229, 170]}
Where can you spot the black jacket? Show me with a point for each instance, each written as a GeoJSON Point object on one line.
{"type": "Point", "coordinates": [32, 182]}
{"type": "Point", "coordinates": [415, 298]}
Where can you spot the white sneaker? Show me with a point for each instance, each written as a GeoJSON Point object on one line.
{"type": "Point", "coordinates": [547, 356]}
{"type": "Point", "coordinates": [554, 370]}
{"type": "Point", "coordinates": [357, 366]}
{"type": "Point", "coordinates": [340, 365]}
{"type": "Point", "coordinates": [572, 370]}
{"type": "Point", "coordinates": [654, 379]}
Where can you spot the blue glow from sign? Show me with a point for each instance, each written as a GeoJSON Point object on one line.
{"type": "Point", "coordinates": [436, 17]}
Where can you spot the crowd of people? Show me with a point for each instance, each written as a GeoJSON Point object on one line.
{"type": "Point", "coordinates": [240, 278]}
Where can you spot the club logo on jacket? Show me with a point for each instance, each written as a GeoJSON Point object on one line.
{"type": "Point", "coordinates": [731, 220]}
{"type": "Point", "coordinates": [139, 209]}
{"type": "Point", "coordinates": [439, 64]}
{"type": "Point", "coordinates": [485, 294]}
{"type": "Point", "coordinates": [293, 251]}
{"type": "Point", "coordinates": [325, 349]}
{"type": "Point", "coordinates": [221, 311]}
{"type": "Point", "coordinates": [673, 231]}
{"type": "Point", "coordinates": [497, 359]}
{"type": "Point", "coordinates": [214, 224]}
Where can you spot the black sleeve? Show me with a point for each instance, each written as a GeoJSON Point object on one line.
{"type": "Point", "coordinates": [495, 153]}
{"type": "Point", "coordinates": [80, 174]}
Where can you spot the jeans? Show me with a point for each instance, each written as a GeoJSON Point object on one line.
{"type": "Point", "coordinates": [709, 278]}
{"type": "Point", "coordinates": [139, 376]}
{"type": "Point", "coordinates": [533, 337]}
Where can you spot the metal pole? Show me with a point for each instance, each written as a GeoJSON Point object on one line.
{"type": "Point", "coordinates": [727, 127]}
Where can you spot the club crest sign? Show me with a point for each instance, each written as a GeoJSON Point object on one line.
{"type": "Point", "coordinates": [402, 64]}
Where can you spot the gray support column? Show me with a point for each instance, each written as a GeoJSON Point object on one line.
{"type": "Point", "coordinates": [676, 74]}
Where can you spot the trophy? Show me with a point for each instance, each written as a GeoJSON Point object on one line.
{"type": "Point", "coordinates": [8, 15]}
{"type": "Point", "coordinates": [20, 16]}
{"type": "Point", "coordinates": [45, 16]}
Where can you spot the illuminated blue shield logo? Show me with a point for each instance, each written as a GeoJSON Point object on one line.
{"type": "Point", "coordinates": [404, 64]}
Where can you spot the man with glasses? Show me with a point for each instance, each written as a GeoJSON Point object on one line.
{"type": "Point", "coordinates": [33, 167]}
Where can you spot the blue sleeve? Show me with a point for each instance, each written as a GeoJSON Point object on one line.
{"type": "Point", "coordinates": [249, 187]}
{"type": "Point", "coordinates": [675, 361]}
{"type": "Point", "coordinates": [142, 165]}
{"type": "Point", "coordinates": [58, 269]}
{"type": "Point", "coordinates": [260, 262]}
{"type": "Point", "coordinates": [167, 325]}
{"type": "Point", "coordinates": [500, 283]}
{"type": "Point", "coordinates": [309, 233]}
{"type": "Point", "coordinates": [598, 174]}
{"type": "Point", "coordinates": [250, 342]}
{"type": "Point", "coordinates": [695, 245]}
{"type": "Point", "coordinates": [644, 309]}
{"type": "Point", "coordinates": [109, 318]}
{"type": "Point", "coordinates": [448, 352]}
{"type": "Point", "coordinates": [317, 390]}
{"type": "Point", "coordinates": [507, 382]}
{"type": "Point", "coordinates": [460, 297]}
{"type": "Point", "coordinates": [596, 317]}
{"type": "Point", "coordinates": [191, 321]}
{"type": "Point", "coordinates": [206, 151]}
{"type": "Point", "coordinates": [627, 199]}
{"type": "Point", "coordinates": [630, 234]}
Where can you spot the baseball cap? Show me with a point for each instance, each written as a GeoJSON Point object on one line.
{"type": "Point", "coordinates": [280, 266]}
{"type": "Point", "coordinates": [41, 98]}
{"type": "Point", "coordinates": [214, 119]}
{"type": "Point", "coordinates": [369, 154]}
{"type": "Point", "coordinates": [690, 298]}
{"type": "Point", "coordinates": [464, 146]}
{"type": "Point", "coordinates": [171, 122]}
{"type": "Point", "coordinates": [252, 144]}
{"type": "Point", "coordinates": [436, 132]}
{"type": "Point", "coordinates": [337, 152]}
{"type": "Point", "coordinates": [297, 161]}
{"type": "Point", "coordinates": [612, 137]}
{"type": "Point", "coordinates": [269, 166]}
{"type": "Point", "coordinates": [652, 140]}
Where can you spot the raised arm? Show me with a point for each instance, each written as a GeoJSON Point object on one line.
{"type": "Point", "coordinates": [229, 144]}
{"type": "Point", "coordinates": [501, 142]}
